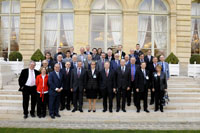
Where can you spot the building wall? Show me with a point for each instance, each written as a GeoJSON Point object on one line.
{"type": "Point", "coordinates": [179, 37]}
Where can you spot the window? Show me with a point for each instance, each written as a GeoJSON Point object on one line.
{"type": "Point", "coordinates": [106, 24]}
{"type": "Point", "coordinates": [195, 32]}
{"type": "Point", "coordinates": [153, 26]}
{"type": "Point", "coordinates": [10, 19]}
{"type": "Point", "coordinates": [58, 25]}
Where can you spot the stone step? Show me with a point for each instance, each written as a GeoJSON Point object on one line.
{"type": "Point", "coordinates": [10, 92]}
{"type": "Point", "coordinates": [184, 90]}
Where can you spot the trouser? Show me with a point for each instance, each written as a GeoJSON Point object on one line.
{"type": "Point", "coordinates": [159, 99]}
{"type": "Point", "coordinates": [27, 92]}
{"type": "Point", "coordinates": [129, 93]}
{"type": "Point", "coordinates": [78, 94]}
{"type": "Point", "coordinates": [152, 95]}
{"type": "Point", "coordinates": [66, 96]}
{"type": "Point", "coordinates": [54, 104]}
{"type": "Point", "coordinates": [42, 105]}
{"type": "Point", "coordinates": [107, 94]}
{"type": "Point", "coordinates": [142, 95]}
{"type": "Point", "coordinates": [121, 93]}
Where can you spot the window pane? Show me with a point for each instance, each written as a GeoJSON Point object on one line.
{"type": "Point", "coordinates": [67, 22]}
{"type": "Point", "coordinates": [160, 24]}
{"type": "Point", "coordinates": [66, 4]}
{"type": "Point", "coordinates": [51, 22]}
{"type": "Point", "coordinates": [195, 9]}
{"type": "Point", "coordinates": [97, 22]}
{"type": "Point", "coordinates": [4, 42]}
{"type": "Point", "coordinates": [114, 23]}
{"type": "Point", "coordinates": [158, 52]}
{"type": "Point", "coordinates": [97, 40]}
{"type": "Point", "coordinates": [144, 39]}
{"type": "Point", "coordinates": [15, 6]}
{"type": "Point", "coordinates": [66, 38]}
{"type": "Point", "coordinates": [113, 38]}
{"type": "Point", "coordinates": [4, 22]}
{"type": "Point", "coordinates": [51, 4]}
{"type": "Point", "coordinates": [50, 38]}
{"type": "Point", "coordinates": [159, 5]}
{"type": "Point", "coordinates": [98, 5]}
{"type": "Point", "coordinates": [195, 34]}
{"type": "Point", "coordinates": [113, 4]}
{"type": "Point", "coordinates": [146, 5]}
{"type": "Point", "coordinates": [5, 6]}
{"type": "Point", "coordinates": [160, 40]}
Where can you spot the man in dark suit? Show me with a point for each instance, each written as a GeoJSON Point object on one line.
{"type": "Point", "coordinates": [28, 87]}
{"type": "Point", "coordinates": [59, 61]}
{"type": "Point", "coordinates": [123, 77]}
{"type": "Point", "coordinates": [115, 63]}
{"type": "Point", "coordinates": [101, 62]}
{"type": "Point", "coordinates": [133, 68]}
{"type": "Point", "coordinates": [109, 55]}
{"type": "Point", "coordinates": [142, 81]}
{"type": "Point", "coordinates": [138, 51]}
{"type": "Point", "coordinates": [72, 51]}
{"type": "Point", "coordinates": [120, 52]}
{"type": "Point", "coordinates": [56, 86]}
{"type": "Point", "coordinates": [59, 53]}
{"type": "Point", "coordinates": [140, 59]}
{"type": "Point", "coordinates": [95, 56]}
{"type": "Point", "coordinates": [66, 92]}
{"type": "Point", "coordinates": [87, 52]}
{"type": "Point", "coordinates": [107, 86]}
{"type": "Point", "coordinates": [50, 60]}
{"type": "Point", "coordinates": [74, 62]}
{"type": "Point", "coordinates": [77, 85]}
{"type": "Point", "coordinates": [127, 60]}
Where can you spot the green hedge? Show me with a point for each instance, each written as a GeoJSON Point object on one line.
{"type": "Point", "coordinates": [37, 56]}
{"type": "Point", "coordinates": [172, 59]}
{"type": "Point", "coordinates": [13, 56]}
{"type": "Point", "coordinates": [195, 58]}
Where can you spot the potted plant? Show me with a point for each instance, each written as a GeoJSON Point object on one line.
{"type": "Point", "coordinates": [15, 62]}
{"type": "Point", "coordinates": [194, 66]}
{"type": "Point", "coordinates": [173, 62]}
{"type": "Point", "coordinates": [37, 57]}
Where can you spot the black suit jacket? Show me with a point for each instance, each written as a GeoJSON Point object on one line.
{"type": "Point", "coordinates": [123, 80]}
{"type": "Point", "coordinates": [76, 82]}
{"type": "Point", "coordinates": [86, 53]}
{"type": "Point", "coordinates": [112, 58]}
{"type": "Point", "coordinates": [63, 64]}
{"type": "Point", "coordinates": [72, 54]}
{"type": "Point", "coordinates": [66, 79]}
{"type": "Point", "coordinates": [92, 80]}
{"type": "Point", "coordinates": [139, 80]}
{"type": "Point", "coordinates": [163, 81]}
{"type": "Point", "coordinates": [149, 63]}
{"type": "Point", "coordinates": [24, 77]}
{"type": "Point", "coordinates": [122, 55]}
{"type": "Point", "coordinates": [138, 53]}
{"type": "Point", "coordinates": [107, 82]}
{"type": "Point", "coordinates": [95, 57]}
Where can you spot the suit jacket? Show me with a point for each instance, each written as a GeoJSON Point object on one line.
{"type": "Point", "coordinates": [138, 61]}
{"type": "Point", "coordinates": [66, 79]}
{"type": "Point", "coordinates": [149, 63]}
{"type": "Point", "coordinates": [76, 82]}
{"type": "Point", "coordinates": [123, 80]}
{"type": "Point", "coordinates": [50, 64]}
{"type": "Point", "coordinates": [136, 69]}
{"type": "Point", "coordinates": [122, 54]}
{"type": "Point", "coordinates": [139, 80]}
{"type": "Point", "coordinates": [162, 85]}
{"type": "Point", "coordinates": [84, 57]}
{"type": "Point", "coordinates": [55, 82]}
{"type": "Point", "coordinates": [92, 79]}
{"type": "Point", "coordinates": [24, 77]}
{"type": "Point", "coordinates": [107, 82]}
{"type": "Point", "coordinates": [114, 65]}
{"type": "Point", "coordinates": [55, 56]}
{"type": "Point", "coordinates": [73, 65]}
{"type": "Point", "coordinates": [166, 68]}
{"type": "Point", "coordinates": [63, 64]}
{"type": "Point", "coordinates": [87, 65]}
{"type": "Point", "coordinates": [138, 53]}
{"type": "Point", "coordinates": [112, 58]}
{"type": "Point", "coordinates": [99, 64]}
{"type": "Point", "coordinates": [72, 54]}
{"type": "Point", "coordinates": [39, 83]}
{"type": "Point", "coordinates": [95, 57]}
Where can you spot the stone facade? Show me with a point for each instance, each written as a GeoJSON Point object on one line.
{"type": "Point", "coordinates": [179, 37]}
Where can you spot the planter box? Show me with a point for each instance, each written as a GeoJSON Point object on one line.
{"type": "Point", "coordinates": [16, 66]}
{"type": "Point", "coordinates": [194, 70]}
{"type": "Point", "coordinates": [174, 69]}
{"type": "Point", "coordinates": [38, 65]}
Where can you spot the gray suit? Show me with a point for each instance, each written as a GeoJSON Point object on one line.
{"type": "Point", "coordinates": [82, 57]}
{"type": "Point", "coordinates": [100, 65]}
{"type": "Point", "coordinates": [166, 68]}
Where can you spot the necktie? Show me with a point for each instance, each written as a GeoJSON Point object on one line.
{"type": "Point", "coordinates": [144, 76]}
{"type": "Point", "coordinates": [162, 67]}
{"type": "Point", "coordinates": [103, 63]}
{"type": "Point", "coordinates": [60, 65]}
{"type": "Point", "coordinates": [79, 72]}
{"type": "Point", "coordinates": [132, 73]}
{"type": "Point", "coordinates": [123, 70]}
{"type": "Point", "coordinates": [67, 71]}
{"type": "Point", "coordinates": [32, 78]}
{"type": "Point", "coordinates": [120, 55]}
{"type": "Point", "coordinates": [58, 75]}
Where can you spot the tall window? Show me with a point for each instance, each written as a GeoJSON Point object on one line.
{"type": "Point", "coordinates": [153, 26]}
{"type": "Point", "coordinates": [195, 28]}
{"type": "Point", "coordinates": [9, 30]}
{"type": "Point", "coordinates": [58, 25]}
{"type": "Point", "coordinates": [106, 24]}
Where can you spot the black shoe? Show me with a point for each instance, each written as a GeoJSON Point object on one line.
{"type": "Point", "coordinates": [104, 110]}
{"type": "Point", "coordinates": [128, 104]}
{"type": "Point", "coordinates": [39, 116]}
{"type": "Point", "coordinates": [68, 108]}
{"type": "Point", "coordinates": [52, 117]}
{"type": "Point", "coordinates": [74, 110]}
{"type": "Point", "coordinates": [62, 108]}
{"type": "Point", "coordinates": [156, 110]}
{"type": "Point", "coordinates": [123, 110]}
{"type": "Point", "coordinates": [43, 115]}
{"type": "Point", "coordinates": [25, 116]}
{"type": "Point", "coordinates": [57, 115]}
{"type": "Point", "coordinates": [138, 111]}
{"type": "Point", "coordinates": [151, 103]}
{"type": "Point", "coordinates": [146, 110]}
{"type": "Point", "coordinates": [94, 111]}
{"type": "Point", "coordinates": [81, 110]}
{"type": "Point", "coordinates": [33, 115]}
{"type": "Point", "coordinates": [89, 110]}
{"type": "Point", "coordinates": [161, 110]}
{"type": "Point", "coordinates": [117, 110]}
{"type": "Point", "coordinates": [100, 97]}
{"type": "Point", "coordinates": [110, 111]}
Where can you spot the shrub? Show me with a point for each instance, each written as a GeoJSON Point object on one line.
{"type": "Point", "coordinates": [13, 56]}
{"type": "Point", "coordinates": [172, 59]}
{"type": "Point", "coordinates": [195, 58]}
{"type": "Point", "coordinates": [37, 56]}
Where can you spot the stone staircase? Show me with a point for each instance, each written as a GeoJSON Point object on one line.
{"type": "Point", "coordinates": [184, 106]}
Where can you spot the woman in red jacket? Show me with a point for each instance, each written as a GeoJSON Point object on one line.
{"type": "Point", "coordinates": [42, 92]}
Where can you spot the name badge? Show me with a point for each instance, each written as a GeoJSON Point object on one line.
{"type": "Point", "coordinates": [147, 77]}
{"type": "Point", "coordinates": [155, 75]}
{"type": "Point", "coordinates": [94, 76]}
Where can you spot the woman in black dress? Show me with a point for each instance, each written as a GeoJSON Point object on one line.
{"type": "Point", "coordinates": [92, 86]}
{"type": "Point", "coordinates": [159, 86]}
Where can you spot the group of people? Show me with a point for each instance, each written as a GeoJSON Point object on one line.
{"type": "Point", "coordinates": [63, 80]}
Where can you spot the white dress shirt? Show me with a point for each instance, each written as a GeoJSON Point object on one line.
{"type": "Point", "coordinates": [31, 78]}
